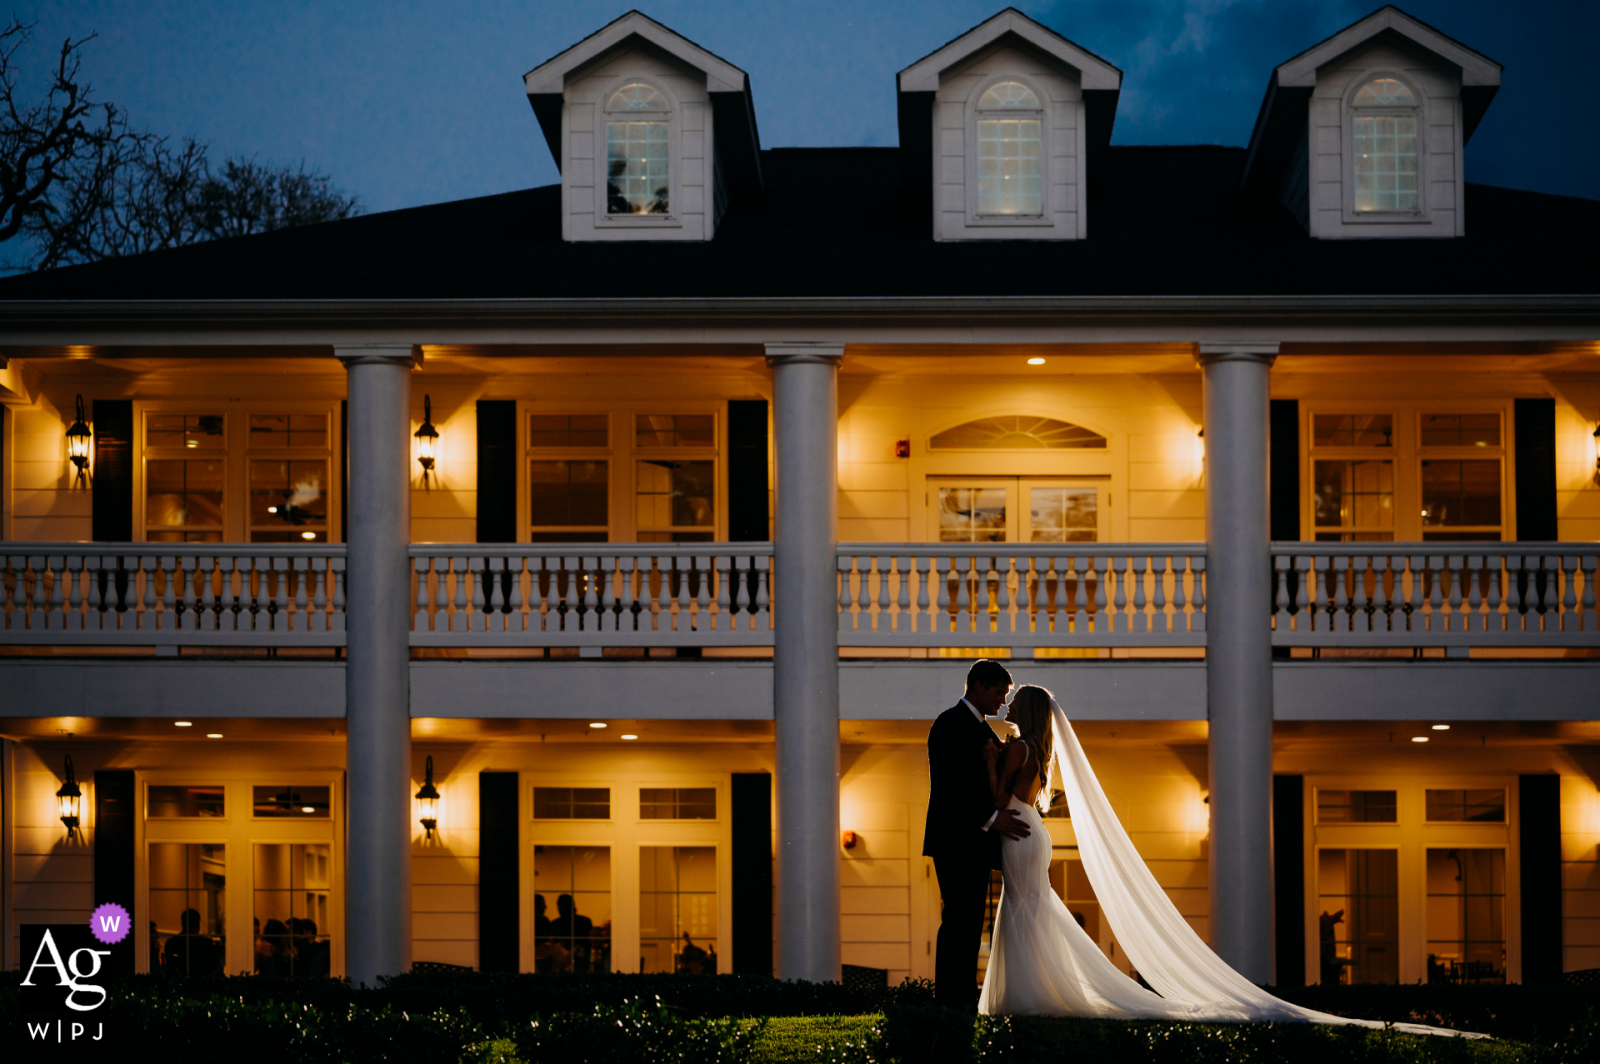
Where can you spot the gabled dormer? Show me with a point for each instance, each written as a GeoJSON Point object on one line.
{"type": "Point", "coordinates": [1005, 124]}
{"type": "Point", "coordinates": [652, 133]}
{"type": "Point", "coordinates": [1362, 135]}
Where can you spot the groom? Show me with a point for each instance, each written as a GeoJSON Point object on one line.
{"type": "Point", "coordinates": [964, 829]}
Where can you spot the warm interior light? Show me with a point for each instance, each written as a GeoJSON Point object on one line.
{"type": "Point", "coordinates": [630, 736]}
{"type": "Point", "coordinates": [308, 535]}
{"type": "Point", "coordinates": [1419, 738]}
{"type": "Point", "coordinates": [303, 808]}
{"type": "Point", "coordinates": [272, 509]}
{"type": "Point", "coordinates": [427, 438]}
{"type": "Point", "coordinates": [1441, 727]}
{"type": "Point", "coordinates": [213, 735]}
{"type": "Point", "coordinates": [428, 801]}
{"type": "Point", "coordinates": [78, 440]}
{"type": "Point", "coordinates": [598, 724]}
{"type": "Point", "coordinates": [1035, 361]}
{"type": "Point", "coordinates": [183, 724]}
{"type": "Point", "coordinates": [191, 443]}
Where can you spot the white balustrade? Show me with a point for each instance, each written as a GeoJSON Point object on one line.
{"type": "Point", "coordinates": [1033, 595]}
{"type": "Point", "coordinates": [146, 594]}
{"type": "Point", "coordinates": [1455, 595]}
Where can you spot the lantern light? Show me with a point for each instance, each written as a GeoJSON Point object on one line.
{"type": "Point", "coordinates": [428, 800]}
{"type": "Point", "coordinates": [79, 439]}
{"type": "Point", "coordinates": [67, 800]}
{"type": "Point", "coordinates": [1597, 452]}
{"type": "Point", "coordinates": [427, 439]}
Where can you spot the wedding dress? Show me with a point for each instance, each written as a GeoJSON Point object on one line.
{"type": "Point", "coordinates": [1041, 963]}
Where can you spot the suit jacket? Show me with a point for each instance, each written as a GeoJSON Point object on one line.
{"type": "Point", "coordinates": [959, 800]}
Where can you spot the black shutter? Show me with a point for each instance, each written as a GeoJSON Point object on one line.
{"type": "Point", "coordinates": [1539, 830]}
{"type": "Point", "coordinates": [497, 470]}
{"type": "Point", "coordinates": [1536, 469]}
{"type": "Point", "coordinates": [1289, 877]}
{"type": "Point", "coordinates": [112, 491]}
{"type": "Point", "coordinates": [752, 872]}
{"type": "Point", "coordinates": [1284, 465]}
{"type": "Point", "coordinates": [114, 814]}
{"type": "Point", "coordinates": [499, 907]}
{"type": "Point", "coordinates": [747, 470]}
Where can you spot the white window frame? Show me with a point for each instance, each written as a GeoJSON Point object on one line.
{"type": "Point", "coordinates": [1046, 117]}
{"type": "Point", "coordinates": [1348, 157]}
{"type": "Point", "coordinates": [673, 219]}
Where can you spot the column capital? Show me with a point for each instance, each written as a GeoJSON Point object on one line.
{"type": "Point", "coordinates": [1209, 351]}
{"type": "Point", "coordinates": [791, 352]}
{"type": "Point", "coordinates": [366, 354]}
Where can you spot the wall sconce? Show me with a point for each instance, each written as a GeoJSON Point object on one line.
{"type": "Point", "coordinates": [428, 800]}
{"type": "Point", "coordinates": [79, 439]}
{"type": "Point", "coordinates": [848, 840]}
{"type": "Point", "coordinates": [1200, 453]}
{"type": "Point", "coordinates": [427, 439]}
{"type": "Point", "coordinates": [1597, 454]}
{"type": "Point", "coordinates": [67, 801]}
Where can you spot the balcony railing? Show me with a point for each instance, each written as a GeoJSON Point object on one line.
{"type": "Point", "coordinates": [1028, 597]}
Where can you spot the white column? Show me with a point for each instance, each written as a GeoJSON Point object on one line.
{"type": "Point", "coordinates": [1239, 653]}
{"type": "Point", "coordinates": [377, 878]}
{"type": "Point", "coordinates": [805, 675]}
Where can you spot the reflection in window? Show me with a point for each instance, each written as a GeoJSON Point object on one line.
{"type": "Point", "coordinates": [678, 909]}
{"type": "Point", "coordinates": [677, 803]}
{"type": "Point", "coordinates": [1064, 515]}
{"type": "Point", "coordinates": [572, 803]}
{"type": "Point", "coordinates": [571, 909]}
{"type": "Point", "coordinates": [676, 501]}
{"type": "Point", "coordinates": [289, 431]}
{"type": "Point", "coordinates": [568, 430]}
{"type": "Point", "coordinates": [1466, 916]}
{"type": "Point", "coordinates": [1010, 152]}
{"type": "Point", "coordinates": [1385, 147]}
{"type": "Point", "coordinates": [637, 152]}
{"type": "Point", "coordinates": [294, 803]}
{"type": "Point", "coordinates": [292, 886]}
{"type": "Point", "coordinates": [1352, 430]}
{"type": "Point", "coordinates": [1359, 921]}
{"type": "Point", "coordinates": [1482, 807]}
{"type": "Point", "coordinates": [1460, 430]}
{"type": "Point", "coordinates": [972, 515]}
{"type": "Point", "coordinates": [190, 432]}
{"type": "Point", "coordinates": [1462, 496]}
{"type": "Point", "coordinates": [188, 908]}
{"type": "Point", "coordinates": [1353, 500]}
{"type": "Point", "coordinates": [569, 500]}
{"type": "Point", "coordinates": [181, 801]}
{"type": "Point", "coordinates": [674, 430]}
{"type": "Point", "coordinates": [288, 500]}
{"type": "Point", "coordinates": [1013, 433]}
{"type": "Point", "coordinates": [183, 500]}
{"type": "Point", "coordinates": [1355, 807]}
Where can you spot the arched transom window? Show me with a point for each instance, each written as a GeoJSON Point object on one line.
{"type": "Point", "coordinates": [1010, 150]}
{"type": "Point", "coordinates": [637, 151]}
{"type": "Point", "coordinates": [1385, 132]}
{"type": "Point", "coordinates": [1016, 432]}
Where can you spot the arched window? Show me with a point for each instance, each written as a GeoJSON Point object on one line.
{"type": "Point", "coordinates": [1010, 150]}
{"type": "Point", "coordinates": [1385, 114]}
{"type": "Point", "coordinates": [1016, 433]}
{"type": "Point", "coordinates": [637, 150]}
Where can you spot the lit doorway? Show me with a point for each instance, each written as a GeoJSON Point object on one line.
{"type": "Point", "coordinates": [1018, 509]}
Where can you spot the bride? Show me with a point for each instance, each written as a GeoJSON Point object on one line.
{"type": "Point", "coordinates": [1041, 963]}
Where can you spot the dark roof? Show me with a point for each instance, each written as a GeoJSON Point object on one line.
{"type": "Point", "coordinates": [837, 222]}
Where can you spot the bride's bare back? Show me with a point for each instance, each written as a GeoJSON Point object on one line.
{"type": "Point", "coordinates": [1019, 774]}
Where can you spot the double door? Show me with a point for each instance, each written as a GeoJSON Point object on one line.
{"type": "Point", "coordinates": [1018, 509]}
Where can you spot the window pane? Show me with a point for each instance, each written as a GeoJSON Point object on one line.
{"type": "Point", "coordinates": [192, 432]}
{"type": "Point", "coordinates": [678, 909]}
{"type": "Point", "coordinates": [292, 883]}
{"type": "Point", "coordinates": [1466, 916]}
{"type": "Point", "coordinates": [1384, 92]}
{"type": "Point", "coordinates": [1355, 807]}
{"type": "Point", "coordinates": [1353, 494]}
{"type": "Point", "coordinates": [1359, 922]}
{"type": "Point", "coordinates": [1352, 430]}
{"type": "Point", "coordinates": [188, 908]}
{"type": "Point", "coordinates": [289, 430]}
{"type": "Point", "coordinates": [571, 909]}
{"type": "Point", "coordinates": [637, 97]}
{"type": "Point", "coordinates": [1016, 433]}
{"type": "Point", "coordinates": [181, 801]}
{"type": "Point", "coordinates": [636, 168]}
{"type": "Point", "coordinates": [1480, 806]}
{"type": "Point", "coordinates": [675, 494]}
{"type": "Point", "coordinates": [571, 803]}
{"type": "Point", "coordinates": [1008, 95]}
{"type": "Point", "coordinates": [1386, 163]}
{"type": "Point", "coordinates": [1064, 515]}
{"type": "Point", "coordinates": [674, 430]}
{"type": "Point", "coordinates": [1460, 430]}
{"type": "Point", "coordinates": [1460, 493]}
{"type": "Point", "coordinates": [293, 802]}
{"type": "Point", "coordinates": [183, 493]}
{"type": "Point", "coordinates": [563, 494]}
{"type": "Point", "coordinates": [288, 497]}
{"type": "Point", "coordinates": [568, 430]}
{"type": "Point", "coordinates": [1010, 167]}
{"type": "Point", "coordinates": [681, 803]}
{"type": "Point", "coordinates": [972, 515]}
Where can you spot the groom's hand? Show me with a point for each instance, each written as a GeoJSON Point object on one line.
{"type": "Point", "coordinates": [1009, 824]}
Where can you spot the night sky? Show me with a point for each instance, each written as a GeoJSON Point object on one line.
{"type": "Point", "coordinates": [406, 102]}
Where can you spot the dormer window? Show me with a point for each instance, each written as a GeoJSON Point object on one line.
{"type": "Point", "coordinates": [1385, 118]}
{"type": "Point", "coordinates": [1010, 150]}
{"type": "Point", "coordinates": [638, 150]}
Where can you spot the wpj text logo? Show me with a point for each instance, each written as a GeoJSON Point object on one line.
{"type": "Point", "coordinates": [56, 986]}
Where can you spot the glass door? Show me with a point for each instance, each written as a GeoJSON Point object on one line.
{"type": "Point", "coordinates": [1018, 510]}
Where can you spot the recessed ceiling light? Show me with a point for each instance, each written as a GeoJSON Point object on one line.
{"type": "Point", "coordinates": [630, 736]}
{"type": "Point", "coordinates": [183, 724]}
{"type": "Point", "coordinates": [598, 724]}
{"type": "Point", "coordinates": [1419, 738]}
{"type": "Point", "coordinates": [1441, 727]}
{"type": "Point", "coordinates": [213, 735]}
{"type": "Point", "coordinates": [1035, 361]}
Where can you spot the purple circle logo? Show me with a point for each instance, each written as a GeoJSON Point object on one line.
{"type": "Point", "coordinates": [110, 923]}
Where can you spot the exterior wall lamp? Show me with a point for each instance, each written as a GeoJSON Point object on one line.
{"type": "Point", "coordinates": [67, 799]}
{"type": "Point", "coordinates": [427, 439]}
{"type": "Point", "coordinates": [428, 800]}
{"type": "Point", "coordinates": [79, 439]}
{"type": "Point", "coordinates": [1597, 454]}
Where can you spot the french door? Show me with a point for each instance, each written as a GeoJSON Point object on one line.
{"type": "Point", "coordinates": [1018, 509]}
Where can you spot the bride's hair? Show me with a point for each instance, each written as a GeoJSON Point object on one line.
{"type": "Point", "coordinates": [1030, 712]}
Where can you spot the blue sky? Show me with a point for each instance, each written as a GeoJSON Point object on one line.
{"type": "Point", "coordinates": [407, 102]}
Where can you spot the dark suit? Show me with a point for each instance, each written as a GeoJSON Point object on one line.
{"type": "Point", "coordinates": [959, 805]}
